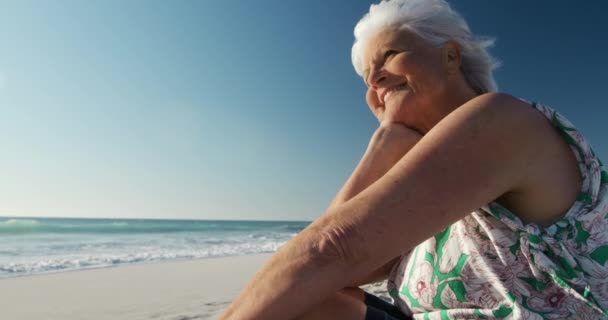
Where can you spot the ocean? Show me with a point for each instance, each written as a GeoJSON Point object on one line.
{"type": "Point", "coordinates": [31, 246]}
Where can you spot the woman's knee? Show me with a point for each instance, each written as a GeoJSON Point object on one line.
{"type": "Point", "coordinates": [354, 292]}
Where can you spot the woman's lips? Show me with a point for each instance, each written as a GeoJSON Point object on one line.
{"type": "Point", "coordinates": [386, 95]}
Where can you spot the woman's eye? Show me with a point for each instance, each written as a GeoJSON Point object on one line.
{"type": "Point", "coordinates": [389, 53]}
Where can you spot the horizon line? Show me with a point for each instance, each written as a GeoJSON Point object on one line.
{"type": "Point", "coordinates": [160, 219]}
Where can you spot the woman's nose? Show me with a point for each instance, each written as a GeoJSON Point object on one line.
{"type": "Point", "coordinates": [377, 76]}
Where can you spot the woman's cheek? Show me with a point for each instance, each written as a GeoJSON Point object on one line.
{"type": "Point", "coordinates": [372, 100]}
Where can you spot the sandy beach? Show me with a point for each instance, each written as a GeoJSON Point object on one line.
{"type": "Point", "coordinates": [182, 290]}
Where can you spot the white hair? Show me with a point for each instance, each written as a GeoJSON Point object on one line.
{"type": "Point", "coordinates": [435, 22]}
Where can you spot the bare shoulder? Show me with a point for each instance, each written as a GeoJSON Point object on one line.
{"type": "Point", "coordinates": [551, 179]}
{"type": "Point", "coordinates": [512, 120]}
{"type": "Point", "coordinates": [509, 110]}
{"type": "Point", "coordinates": [497, 123]}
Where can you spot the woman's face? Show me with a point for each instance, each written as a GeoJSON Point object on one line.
{"type": "Point", "coordinates": [408, 80]}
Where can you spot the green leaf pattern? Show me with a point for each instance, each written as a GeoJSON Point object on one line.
{"type": "Point", "coordinates": [491, 265]}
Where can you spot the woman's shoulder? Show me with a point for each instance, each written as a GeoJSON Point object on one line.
{"type": "Point", "coordinates": [552, 179]}
{"type": "Point", "coordinates": [514, 114]}
{"type": "Point", "coordinates": [508, 107]}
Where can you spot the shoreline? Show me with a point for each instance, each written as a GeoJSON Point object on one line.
{"type": "Point", "coordinates": [122, 265]}
{"type": "Point", "coordinates": [172, 290]}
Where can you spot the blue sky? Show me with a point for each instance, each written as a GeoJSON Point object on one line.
{"type": "Point", "coordinates": [234, 109]}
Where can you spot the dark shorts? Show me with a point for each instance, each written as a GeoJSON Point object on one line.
{"type": "Point", "coordinates": [378, 309]}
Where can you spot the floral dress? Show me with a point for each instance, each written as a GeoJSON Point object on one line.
{"type": "Point", "coordinates": [490, 265]}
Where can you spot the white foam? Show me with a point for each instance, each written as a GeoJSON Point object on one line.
{"type": "Point", "coordinates": [24, 222]}
{"type": "Point", "coordinates": [129, 255]}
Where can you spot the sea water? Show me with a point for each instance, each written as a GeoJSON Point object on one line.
{"type": "Point", "coordinates": [41, 245]}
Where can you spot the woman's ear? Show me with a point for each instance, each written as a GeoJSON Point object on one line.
{"type": "Point", "coordinates": [452, 59]}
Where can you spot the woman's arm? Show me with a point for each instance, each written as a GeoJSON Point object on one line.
{"type": "Point", "coordinates": [377, 275]}
{"type": "Point", "coordinates": [478, 152]}
{"type": "Point", "coordinates": [388, 144]}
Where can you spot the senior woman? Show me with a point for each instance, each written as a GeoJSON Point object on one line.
{"type": "Point", "coordinates": [474, 204]}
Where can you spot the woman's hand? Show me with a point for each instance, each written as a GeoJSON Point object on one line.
{"type": "Point", "coordinates": [374, 105]}
{"type": "Point", "coordinates": [391, 141]}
